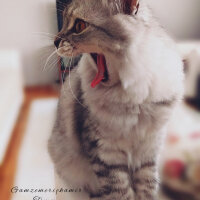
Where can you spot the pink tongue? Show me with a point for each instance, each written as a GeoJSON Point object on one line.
{"type": "Point", "coordinates": [101, 64]}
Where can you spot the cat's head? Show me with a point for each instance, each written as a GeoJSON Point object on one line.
{"type": "Point", "coordinates": [91, 26]}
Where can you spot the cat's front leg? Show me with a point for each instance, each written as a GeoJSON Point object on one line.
{"type": "Point", "coordinates": [113, 182]}
{"type": "Point", "coordinates": [145, 181]}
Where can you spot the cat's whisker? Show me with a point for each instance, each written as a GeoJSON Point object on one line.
{"type": "Point", "coordinates": [57, 10]}
{"type": "Point", "coordinates": [47, 47]}
{"type": "Point", "coordinates": [69, 80]}
{"type": "Point", "coordinates": [53, 64]}
{"type": "Point", "coordinates": [44, 34]}
{"type": "Point", "coordinates": [44, 56]}
{"type": "Point", "coordinates": [48, 38]}
{"type": "Point", "coordinates": [50, 35]}
{"type": "Point", "coordinates": [49, 59]}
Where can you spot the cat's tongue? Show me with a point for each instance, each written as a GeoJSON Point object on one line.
{"type": "Point", "coordinates": [101, 65]}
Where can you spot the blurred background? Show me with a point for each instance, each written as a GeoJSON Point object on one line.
{"type": "Point", "coordinates": [29, 86]}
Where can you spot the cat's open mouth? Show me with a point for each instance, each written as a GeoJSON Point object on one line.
{"type": "Point", "coordinates": [102, 74]}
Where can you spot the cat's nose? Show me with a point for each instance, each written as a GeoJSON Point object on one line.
{"type": "Point", "coordinates": [57, 42]}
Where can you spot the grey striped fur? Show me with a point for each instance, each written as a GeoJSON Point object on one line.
{"type": "Point", "coordinates": [108, 142]}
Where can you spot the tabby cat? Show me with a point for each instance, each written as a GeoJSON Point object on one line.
{"type": "Point", "coordinates": [113, 112]}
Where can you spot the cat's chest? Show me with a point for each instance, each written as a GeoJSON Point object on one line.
{"type": "Point", "coordinates": [123, 120]}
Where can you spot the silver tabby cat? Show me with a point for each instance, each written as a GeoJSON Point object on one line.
{"type": "Point", "coordinates": [109, 130]}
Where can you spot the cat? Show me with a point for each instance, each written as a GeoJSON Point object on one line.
{"type": "Point", "coordinates": [114, 107]}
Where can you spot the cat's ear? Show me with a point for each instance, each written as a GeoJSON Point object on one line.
{"type": "Point", "coordinates": [130, 6]}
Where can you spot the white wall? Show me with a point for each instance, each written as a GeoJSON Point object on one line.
{"type": "Point", "coordinates": [20, 22]}
{"type": "Point", "coordinates": [180, 17]}
{"type": "Point", "coordinates": [21, 19]}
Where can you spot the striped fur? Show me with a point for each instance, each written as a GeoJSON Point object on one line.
{"type": "Point", "coordinates": [108, 142]}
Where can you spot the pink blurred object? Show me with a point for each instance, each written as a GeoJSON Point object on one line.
{"type": "Point", "coordinates": [174, 168]}
{"type": "Point", "coordinates": [173, 139]}
{"type": "Point", "coordinates": [195, 135]}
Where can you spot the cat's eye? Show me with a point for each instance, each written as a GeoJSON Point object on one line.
{"type": "Point", "coordinates": [80, 26]}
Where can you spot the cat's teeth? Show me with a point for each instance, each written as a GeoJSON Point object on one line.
{"type": "Point", "coordinates": [67, 48]}
{"type": "Point", "coordinates": [66, 43]}
{"type": "Point", "coordinates": [65, 51]}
